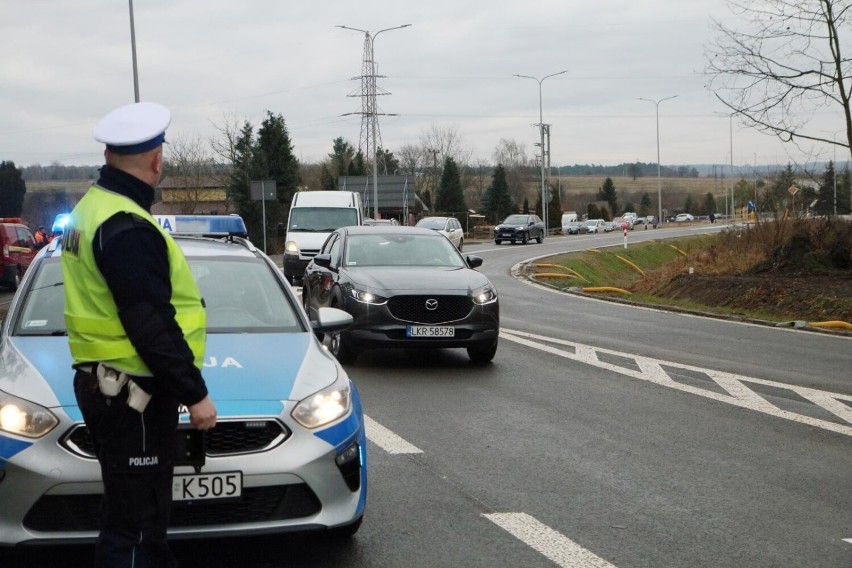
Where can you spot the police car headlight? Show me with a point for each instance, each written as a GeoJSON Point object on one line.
{"type": "Point", "coordinates": [484, 295]}
{"type": "Point", "coordinates": [325, 406]}
{"type": "Point", "coordinates": [24, 418]}
{"type": "Point", "coordinates": [291, 248]}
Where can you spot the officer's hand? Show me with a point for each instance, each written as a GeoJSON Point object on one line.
{"type": "Point", "coordinates": [202, 414]}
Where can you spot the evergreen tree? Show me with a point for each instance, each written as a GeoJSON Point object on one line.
{"type": "Point", "coordinates": [277, 161]}
{"type": "Point", "coordinates": [358, 166]}
{"type": "Point", "coordinates": [554, 209]}
{"type": "Point", "coordinates": [709, 205]}
{"type": "Point", "coordinates": [825, 198]}
{"type": "Point", "coordinates": [328, 181]}
{"type": "Point", "coordinates": [242, 174]}
{"type": "Point", "coordinates": [341, 156]}
{"type": "Point", "coordinates": [450, 197]}
{"type": "Point", "coordinates": [689, 206]}
{"type": "Point", "coordinates": [777, 194]}
{"type": "Point", "coordinates": [593, 212]}
{"type": "Point", "coordinates": [608, 193]}
{"type": "Point", "coordinates": [12, 190]}
{"type": "Point", "coordinates": [645, 205]}
{"type": "Point", "coordinates": [386, 157]}
{"type": "Point", "coordinates": [499, 201]}
{"type": "Point", "coordinates": [844, 193]}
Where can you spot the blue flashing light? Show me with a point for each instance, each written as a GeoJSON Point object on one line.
{"type": "Point", "coordinates": [203, 225]}
{"type": "Point", "coordinates": [59, 222]}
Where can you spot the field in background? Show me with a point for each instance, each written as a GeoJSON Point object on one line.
{"type": "Point", "coordinates": [694, 186]}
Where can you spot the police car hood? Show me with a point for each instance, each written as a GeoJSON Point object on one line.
{"type": "Point", "coordinates": [245, 373]}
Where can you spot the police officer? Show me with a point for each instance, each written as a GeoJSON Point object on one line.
{"type": "Point", "coordinates": [41, 237]}
{"type": "Point", "coordinates": [136, 330]}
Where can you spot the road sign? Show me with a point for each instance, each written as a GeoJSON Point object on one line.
{"type": "Point", "coordinates": [263, 190]}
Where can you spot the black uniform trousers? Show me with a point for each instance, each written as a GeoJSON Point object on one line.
{"type": "Point", "coordinates": [136, 454]}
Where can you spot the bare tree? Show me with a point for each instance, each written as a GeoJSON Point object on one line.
{"type": "Point", "coordinates": [225, 144]}
{"type": "Point", "coordinates": [784, 65]}
{"type": "Point", "coordinates": [411, 159]}
{"type": "Point", "coordinates": [513, 157]}
{"type": "Point", "coordinates": [191, 169]}
{"type": "Point", "coordinates": [447, 142]}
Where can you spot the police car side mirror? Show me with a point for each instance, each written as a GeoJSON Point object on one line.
{"type": "Point", "coordinates": [331, 320]}
{"type": "Point", "coordinates": [474, 261]}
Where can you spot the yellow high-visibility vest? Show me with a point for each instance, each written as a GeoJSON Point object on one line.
{"type": "Point", "coordinates": [95, 333]}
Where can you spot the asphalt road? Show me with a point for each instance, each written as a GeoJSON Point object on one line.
{"type": "Point", "coordinates": [601, 435]}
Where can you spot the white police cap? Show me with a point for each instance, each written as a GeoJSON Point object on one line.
{"type": "Point", "coordinates": [133, 128]}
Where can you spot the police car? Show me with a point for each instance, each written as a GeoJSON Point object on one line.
{"type": "Point", "coordinates": [287, 452]}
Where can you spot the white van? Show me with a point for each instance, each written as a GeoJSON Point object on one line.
{"type": "Point", "coordinates": [568, 217]}
{"type": "Point", "coordinates": [313, 216]}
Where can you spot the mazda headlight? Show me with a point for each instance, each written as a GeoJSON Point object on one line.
{"type": "Point", "coordinates": [24, 418]}
{"type": "Point", "coordinates": [325, 406]}
{"type": "Point", "coordinates": [367, 297]}
{"type": "Point", "coordinates": [484, 295]}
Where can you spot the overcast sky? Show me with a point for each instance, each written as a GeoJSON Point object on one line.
{"type": "Point", "coordinates": [67, 63]}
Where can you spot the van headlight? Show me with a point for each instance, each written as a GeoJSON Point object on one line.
{"type": "Point", "coordinates": [291, 248]}
{"type": "Point", "coordinates": [25, 418]}
{"type": "Point", "coordinates": [325, 406]}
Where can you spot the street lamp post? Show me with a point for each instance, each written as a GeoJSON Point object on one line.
{"type": "Point", "coordinates": [374, 107]}
{"type": "Point", "coordinates": [659, 182]}
{"type": "Point", "coordinates": [133, 52]}
{"type": "Point", "coordinates": [541, 131]}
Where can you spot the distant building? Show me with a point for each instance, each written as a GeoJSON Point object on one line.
{"type": "Point", "coordinates": [182, 195]}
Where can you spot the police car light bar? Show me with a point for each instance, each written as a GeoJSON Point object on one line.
{"type": "Point", "coordinates": [59, 222]}
{"type": "Point", "coordinates": [203, 225]}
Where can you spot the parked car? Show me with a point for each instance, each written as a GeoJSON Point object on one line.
{"type": "Point", "coordinates": [377, 222]}
{"type": "Point", "coordinates": [681, 217]}
{"type": "Point", "coordinates": [288, 449]}
{"type": "Point", "coordinates": [405, 287]}
{"type": "Point", "coordinates": [519, 228]}
{"type": "Point", "coordinates": [595, 225]}
{"type": "Point", "coordinates": [567, 218]}
{"type": "Point", "coordinates": [17, 250]}
{"type": "Point", "coordinates": [572, 228]}
{"type": "Point", "coordinates": [447, 226]}
{"type": "Point", "coordinates": [623, 222]}
{"type": "Point", "coordinates": [610, 226]}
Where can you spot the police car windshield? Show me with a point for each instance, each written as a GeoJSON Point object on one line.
{"type": "Point", "coordinates": [241, 296]}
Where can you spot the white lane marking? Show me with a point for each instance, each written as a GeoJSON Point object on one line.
{"type": "Point", "coordinates": [387, 440]}
{"type": "Point", "coordinates": [555, 546]}
{"type": "Point", "coordinates": [849, 540]}
{"type": "Point", "coordinates": [736, 385]}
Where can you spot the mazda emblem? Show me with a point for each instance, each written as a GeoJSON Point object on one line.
{"type": "Point", "coordinates": [431, 304]}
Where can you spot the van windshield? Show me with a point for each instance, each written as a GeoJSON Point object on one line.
{"type": "Point", "coordinates": [322, 219]}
